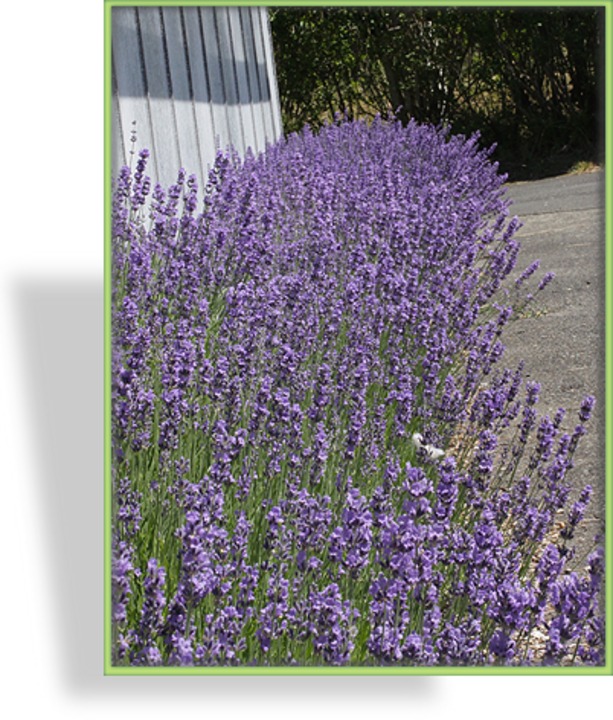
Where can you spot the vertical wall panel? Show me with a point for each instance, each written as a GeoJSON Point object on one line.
{"type": "Point", "coordinates": [192, 80]}
{"type": "Point", "coordinates": [118, 145]}
{"type": "Point", "coordinates": [129, 81]}
{"type": "Point", "coordinates": [212, 60]}
{"type": "Point", "coordinates": [199, 86]}
{"type": "Point", "coordinates": [264, 78]}
{"type": "Point", "coordinates": [183, 104]}
{"type": "Point", "coordinates": [271, 76]}
{"type": "Point", "coordinates": [254, 92]}
{"type": "Point", "coordinates": [242, 79]}
{"type": "Point", "coordinates": [228, 74]}
{"type": "Point", "coordinates": [157, 76]}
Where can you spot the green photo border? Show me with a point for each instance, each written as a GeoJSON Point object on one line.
{"type": "Point", "coordinates": [607, 669]}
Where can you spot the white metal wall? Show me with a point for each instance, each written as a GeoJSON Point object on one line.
{"type": "Point", "coordinates": [194, 79]}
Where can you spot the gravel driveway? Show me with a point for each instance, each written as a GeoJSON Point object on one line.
{"type": "Point", "coordinates": [563, 342]}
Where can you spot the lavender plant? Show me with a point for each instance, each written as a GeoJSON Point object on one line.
{"type": "Point", "coordinates": [316, 458]}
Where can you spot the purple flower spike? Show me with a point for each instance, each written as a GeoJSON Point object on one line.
{"type": "Point", "coordinates": [318, 457]}
{"type": "Point", "coordinates": [587, 406]}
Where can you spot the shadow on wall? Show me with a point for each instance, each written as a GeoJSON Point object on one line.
{"type": "Point", "coordinates": [61, 347]}
{"type": "Point", "coordinates": [191, 81]}
{"type": "Point", "coordinates": [168, 49]}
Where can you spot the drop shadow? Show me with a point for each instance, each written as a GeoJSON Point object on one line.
{"type": "Point", "coordinates": [61, 346]}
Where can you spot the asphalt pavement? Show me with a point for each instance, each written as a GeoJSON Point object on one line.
{"type": "Point", "coordinates": [562, 339]}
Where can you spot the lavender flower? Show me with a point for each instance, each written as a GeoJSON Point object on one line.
{"type": "Point", "coordinates": [317, 458]}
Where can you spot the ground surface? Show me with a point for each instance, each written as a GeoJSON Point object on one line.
{"type": "Point", "coordinates": [563, 346]}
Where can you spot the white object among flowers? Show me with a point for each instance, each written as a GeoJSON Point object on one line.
{"type": "Point", "coordinates": [432, 452]}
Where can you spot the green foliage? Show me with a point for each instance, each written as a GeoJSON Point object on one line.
{"type": "Point", "coordinates": [525, 78]}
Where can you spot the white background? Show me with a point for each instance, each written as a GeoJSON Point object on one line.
{"type": "Point", "coordinates": [51, 405]}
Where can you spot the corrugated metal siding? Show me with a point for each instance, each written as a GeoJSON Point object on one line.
{"type": "Point", "coordinates": [193, 79]}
